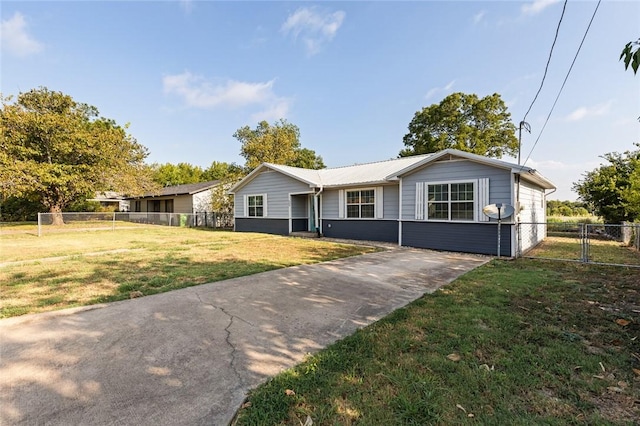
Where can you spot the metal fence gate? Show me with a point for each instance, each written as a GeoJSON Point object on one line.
{"type": "Point", "coordinates": [597, 243]}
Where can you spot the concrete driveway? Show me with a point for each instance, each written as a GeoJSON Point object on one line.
{"type": "Point", "coordinates": [191, 355]}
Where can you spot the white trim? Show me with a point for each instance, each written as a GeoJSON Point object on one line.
{"type": "Point", "coordinates": [264, 205]}
{"type": "Point", "coordinates": [290, 216]}
{"type": "Point", "coordinates": [482, 199]}
{"type": "Point", "coordinates": [420, 201]}
{"type": "Point", "coordinates": [400, 212]}
{"type": "Point", "coordinates": [379, 202]}
{"type": "Point", "coordinates": [341, 203]}
{"type": "Point", "coordinates": [360, 190]}
{"type": "Point", "coordinates": [448, 183]}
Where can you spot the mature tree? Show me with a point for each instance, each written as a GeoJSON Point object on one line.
{"type": "Point", "coordinates": [307, 159]}
{"type": "Point", "coordinates": [220, 170]}
{"type": "Point", "coordinates": [613, 189]}
{"type": "Point", "coordinates": [631, 55]}
{"type": "Point", "coordinates": [464, 122]}
{"type": "Point", "coordinates": [55, 150]}
{"type": "Point", "coordinates": [227, 174]}
{"type": "Point", "coordinates": [177, 174]}
{"type": "Point", "coordinates": [278, 143]}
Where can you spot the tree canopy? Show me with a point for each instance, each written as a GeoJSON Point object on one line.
{"type": "Point", "coordinates": [278, 143]}
{"type": "Point", "coordinates": [465, 122]}
{"type": "Point", "coordinates": [176, 174]}
{"type": "Point", "coordinates": [613, 189]}
{"type": "Point", "coordinates": [54, 150]}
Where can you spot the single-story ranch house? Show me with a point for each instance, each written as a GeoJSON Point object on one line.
{"type": "Point", "coordinates": [189, 198]}
{"type": "Point", "coordinates": [432, 201]}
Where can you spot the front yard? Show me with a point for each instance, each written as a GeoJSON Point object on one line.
{"type": "Point", "coordinates": [58, 271]}
{"type": "Point", "coordinates": [513, 342]}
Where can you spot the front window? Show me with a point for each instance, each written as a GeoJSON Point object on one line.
{"type": "Point", "coordinates": [361, 203]}
{"type": "Point", "coordinates": [450, 201]}
{"type": "Point", "coordinates": [255, 205]}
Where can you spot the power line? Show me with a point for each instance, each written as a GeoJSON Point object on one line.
{"type": "Point", "coordinates": [563, 83]}
{"type": "Point", "coordinates": [546, 68]}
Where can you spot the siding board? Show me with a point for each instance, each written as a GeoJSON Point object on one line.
{"type": "Point", "coordinates": [373, 230]}
{"type": "Point", "coordinates": [460, 237]}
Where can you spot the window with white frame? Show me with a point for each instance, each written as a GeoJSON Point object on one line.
{"type": "Point", "coordinates": [361, 203]}
{"type": "Point", "coordinates": [255, 205]}
{"type": "Point", "coordinates": [451, 201]}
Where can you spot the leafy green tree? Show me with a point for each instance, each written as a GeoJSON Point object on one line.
{"type": "Point", "coordinates": [613, 189]}
{"type": "Point", "coordinates": [307, 159]}
{"type": "Point", "coordinates": [177, 174]}
{"type": "Point", "coordinates": [220, 170]}
{"type": "Point", "coordinates": [631, 55]}
{"type": "Point", "coordinates": [278, 143]}
{"type": "Point", "coordinates": [465, 122]}
{"type": "Point", "coordinates": [54, 150]}
{"type": "Point", "coordinates": [227, 174]}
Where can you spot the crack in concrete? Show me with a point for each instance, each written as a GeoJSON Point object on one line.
{"type": "Point", "coordinates": [227, 330]}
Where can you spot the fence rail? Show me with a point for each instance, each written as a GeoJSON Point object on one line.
{"type": "Point", "coordinates": [83, 221]}
{"type": "Point", "coordinates": [603, 244]}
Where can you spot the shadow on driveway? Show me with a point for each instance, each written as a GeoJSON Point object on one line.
{"type": "Point", "coordinates": [190, 356]}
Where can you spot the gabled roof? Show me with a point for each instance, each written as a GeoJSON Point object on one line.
{"type": "Point", "coordinates": [186, 189]}
{"type": "Point", "coordinates": [525, 172]}
{"type": "Point", "coordinates": [387, 171]}
{"type": "Point", "coordinates": [358, 174]}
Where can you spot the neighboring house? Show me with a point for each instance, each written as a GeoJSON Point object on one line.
{"type": "Point", "coordinates": [189, 198]}
{"type": "Point", "coordinates": [430, 201]}
{"type": "Point", "coordinates": [111, 199]}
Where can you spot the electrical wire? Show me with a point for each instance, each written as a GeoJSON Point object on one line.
{"type": "Point", "coordinates": [563, 83]}
{"type": "Point", "coordinates": [546, 68]}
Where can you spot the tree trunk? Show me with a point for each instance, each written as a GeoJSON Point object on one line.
{"type": "Point", "coordinates": [56, 215]}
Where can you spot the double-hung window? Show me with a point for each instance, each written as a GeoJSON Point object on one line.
{"type": "Point", "coordinates": [450, 201]}
{"type": "Point", "coordinates": [255, 205]}
{"type": "Point", "coordinates": [361, 203]}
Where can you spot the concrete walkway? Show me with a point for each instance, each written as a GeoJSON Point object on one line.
{"type": "Point", "coordinates": [189, 357]}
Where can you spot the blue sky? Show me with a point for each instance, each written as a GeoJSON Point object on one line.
{"type": "Point", "coordinates": [351, 75]}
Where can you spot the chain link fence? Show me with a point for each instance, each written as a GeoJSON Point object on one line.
{"type": "Point", "coordinates": [604, 244]}
{"type": "Point", "coordinates": [85, 221]}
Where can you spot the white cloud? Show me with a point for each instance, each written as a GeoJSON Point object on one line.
{"type": "Point", "coordinates": [198, 92]}
{"type": "Point", "coordinates": [436, 90]}
{"type": "Point", "coordinates": [537, 6]}
{"type": "Point", "coordinates": [277, 110]}
{"type": "Point", "coordinates": [478, 17]}
{"type": "Point", "coordinates": [15, 39]}
{"type": "Point", "coordinates": [313, 27]}
{"type": "Point", "coordinates": [594, 111]}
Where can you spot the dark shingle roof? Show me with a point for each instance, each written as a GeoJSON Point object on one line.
{"type": "Point", "coordinates": [186, 189]}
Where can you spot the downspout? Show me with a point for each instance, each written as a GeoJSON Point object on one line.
{"type": "Point", "coordinates": [316, 205]}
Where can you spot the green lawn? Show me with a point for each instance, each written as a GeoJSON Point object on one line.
{"type": "Point", "coordinates": [59, 271]}
{"type": "Point", "coordinates": [510, 343]}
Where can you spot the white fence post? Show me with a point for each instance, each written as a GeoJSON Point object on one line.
{"type": "Point", "coordinates": [39, 225]}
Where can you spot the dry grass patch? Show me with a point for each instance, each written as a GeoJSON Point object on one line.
{"type": "Point", "coordinates": [147, 261]}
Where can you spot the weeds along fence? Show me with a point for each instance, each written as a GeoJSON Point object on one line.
{"type": "Point", "coordinates": [604, 244]}
{"type": "Point", "coordinates": [85, 221]}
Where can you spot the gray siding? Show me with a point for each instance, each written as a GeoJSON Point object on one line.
{"type": "Point", "coordinates": [277, 187]}
{"type": "Point", "coordinates": [330, 203]}
{"type": "Point", "coordinates": [461, 237]}
{"type": "Point", "coordinates": [391, 201]}
{"type": "Point", "coordinates": [390, 196]}
{"type": "Point", "coordinates": [532, 216]}
{"type": "Point", "coordinates": [373, 230]}
{"type": "Point", "coordinates": [299, 206]}
{"type": "Point", "coordinates": [499, 181]}
{"type": "Point", "coordinates": [265, 226]}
